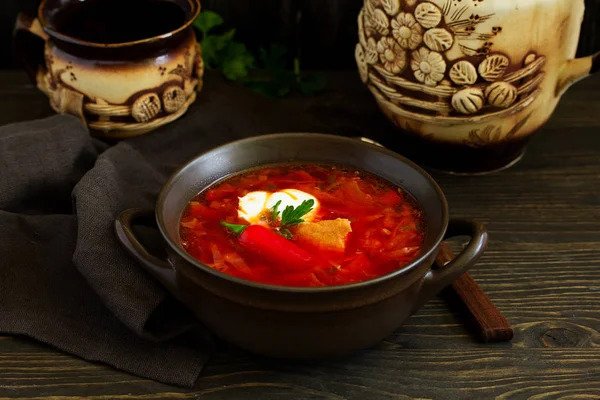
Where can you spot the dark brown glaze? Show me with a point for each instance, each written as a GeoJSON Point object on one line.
{"type": "Point", "coordinates": [133, 53]}
{"type": "Point", "coordinates": [96, 20]}
{"type": "Point", "coordinates": [53, 15]}
{"type": "Point", "coordinates": [293, 322]}
{"type": "Point", "coordinates": [458, 157]}
{"type": "Point", "coordinates": [362, 318]}
{"type": "Point", "coordinates": [123, 57]}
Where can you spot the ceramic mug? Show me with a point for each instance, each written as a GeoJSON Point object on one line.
{"type": "Point", "coordinates": [469, 82]}
{"type": "Point", "coordinates": [121, 81]}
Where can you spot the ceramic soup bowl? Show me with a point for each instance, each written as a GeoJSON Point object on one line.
{"type": "Point", "coordinates": [469, 82]}
{"type": "Point", "coordinates": [294, 322]}
{"type": "Point", "coordinates": [124, 68]}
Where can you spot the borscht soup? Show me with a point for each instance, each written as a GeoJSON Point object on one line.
{"type": "Point", "coordinates": [303, 225]}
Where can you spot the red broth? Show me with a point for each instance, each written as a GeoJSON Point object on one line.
{"type": "Point", "coordinates": [387, 228]}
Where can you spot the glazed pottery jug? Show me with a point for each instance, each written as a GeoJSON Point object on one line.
{"type": "Point", "coordinates": [468, 82]}
{"type": "Point", "coordinates": [118, 86]}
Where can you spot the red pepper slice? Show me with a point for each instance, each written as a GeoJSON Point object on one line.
{"type": "Point", "coordinates": [272, 247]}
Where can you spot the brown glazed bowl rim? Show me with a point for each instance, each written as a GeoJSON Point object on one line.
{"type": "Point", "coordinates": [439, 237]}
{"type": "Point", "coordinates": [73, 40]}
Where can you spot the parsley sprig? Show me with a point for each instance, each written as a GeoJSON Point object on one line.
{"type": "Point", "coordinates": [267, 74]}
{"type": "Point", "coordinates": [221, 51]}
{"type": "Point", "coordinates": [291, 216]}
{"type": "Point", "coordinates": [275, 211]}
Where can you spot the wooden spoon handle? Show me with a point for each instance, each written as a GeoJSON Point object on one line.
{"type": "Point", "coordinates": [487, 321]}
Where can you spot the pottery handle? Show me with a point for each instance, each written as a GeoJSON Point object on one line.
{"type": "Point", "coordinates": [28, 41]}
{"type": "Point", "coordinates": [575, 70]}
{"type": "Point", "coordinates": [158, 268]}
{"type": "Point", "coordinates": [437, 279]}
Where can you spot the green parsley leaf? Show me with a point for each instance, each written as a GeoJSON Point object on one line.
{"type": "Point", "coordinates": [268, 74]}
{"type": "Point", "coordinates": [272, 84]}
{"type": "Point", "coordinates": [237, 62]}
{"type": "Point", "coordinates": [275, 211]}
{"type": "Point", "coordinates": [207, 20]}
{"type": "Point", "coordinates": [214, 47]}
{"type": "Point", "coordinates": [293, 216]}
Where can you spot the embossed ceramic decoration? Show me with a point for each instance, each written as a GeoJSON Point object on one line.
{"type": "Point", "coordinates": [119, 87]}
{"type": "Point", "coordinates": [469, 81]}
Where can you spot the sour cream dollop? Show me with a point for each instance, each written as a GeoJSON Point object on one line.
{"type": "Point", "coordinates": [254, 205]}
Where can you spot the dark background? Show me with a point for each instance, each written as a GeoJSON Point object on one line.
{"type": "Point", "coordinates": [323, 32]}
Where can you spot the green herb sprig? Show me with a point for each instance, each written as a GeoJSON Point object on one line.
{"type": "Point", "coordinates": [275, 211]}
{"type": "Point", "coordinates": [291, 216]}
{"type": "Point", "coordinates": [266, 74]}
{"type": "Point", "coordinates": [221, 51]}
{"type": "Point", "coordinates": [273, 79]}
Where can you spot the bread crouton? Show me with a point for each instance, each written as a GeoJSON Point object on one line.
{"type": "Point", "coordinates": [329, 234]}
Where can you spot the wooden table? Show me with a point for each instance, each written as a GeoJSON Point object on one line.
{"type": "Point", "coordinates": [542, 269]}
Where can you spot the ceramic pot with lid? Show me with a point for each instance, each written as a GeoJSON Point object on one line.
{"type": "Point", "coordinates": [468, 82]}
{"type": "Point", "coordinates": [122, 70]}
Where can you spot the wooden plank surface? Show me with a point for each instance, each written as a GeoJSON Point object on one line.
{"type": "Point", "coordinates": [542, 269]}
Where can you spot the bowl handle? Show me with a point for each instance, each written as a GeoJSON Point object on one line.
{"type": "Point", "coordinates": [160, 269]}
{"type": "Point", "coordinates": [437, 279]}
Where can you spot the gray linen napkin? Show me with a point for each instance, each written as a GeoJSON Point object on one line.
{"type": "Point", "coordinates": [64, 278]}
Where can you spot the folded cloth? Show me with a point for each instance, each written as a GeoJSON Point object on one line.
{"type": "Point", "coordinates": [64, 278]}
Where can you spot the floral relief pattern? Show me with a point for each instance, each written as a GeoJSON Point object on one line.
{"type": "Point", "coordinates": [407, 31]}
{"type": "Point", "coordinates": [428, 66]}
{"type": "Point", "coordinates": [438, 39]}
{"type": "Point", "coordinates": [146, 109]}
{"type": "Point", "coordinates": [361, 62]}
{"type": "Point", "coordinates": [371, 54]}
{"type": "Point", "coordinates": [390, 6]}
{"type": "Point", "coordinates": [428, 15]}
{"type": "Point", "coordinates": [463, 73]}
{"type": "Point", "coordinates": [391, 55]}
{"type": "Point", "coordinates": [454, 71]}
{"type": "Point", "coordinates": [376, 22]}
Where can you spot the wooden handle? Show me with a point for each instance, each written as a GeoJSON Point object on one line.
{"type": "Point", "coordinates": [485, 319]}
